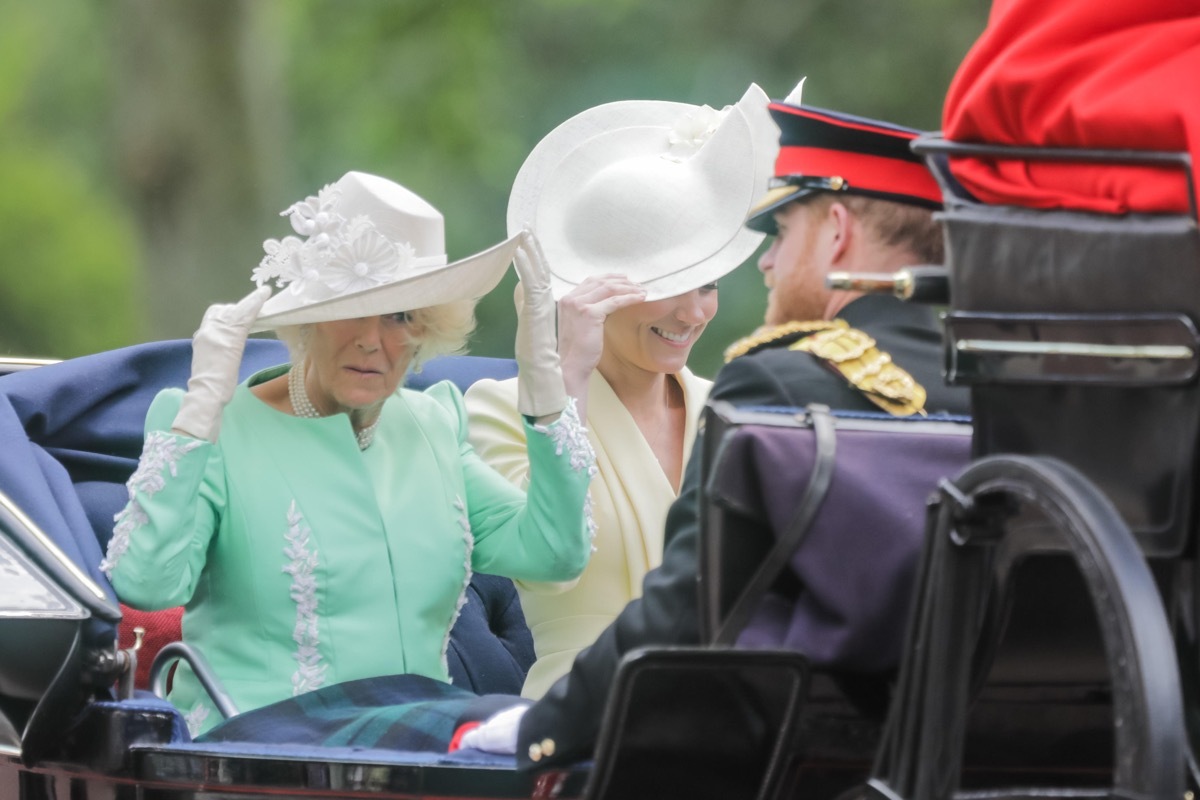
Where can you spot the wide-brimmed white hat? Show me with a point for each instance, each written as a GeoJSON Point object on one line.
{"type": "Point", "coordinates": [368, 246]}
{"type": "Point", "coordinates": [656, 190]}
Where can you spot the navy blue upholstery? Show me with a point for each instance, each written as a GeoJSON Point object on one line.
{"type": "Point", "coordinates": [71, 434]}
{"type": "Point", "coordinates": [462, 371]}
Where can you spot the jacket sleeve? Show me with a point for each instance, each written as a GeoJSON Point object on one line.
{"type": "Point", "coordinates": [161, 536]}
{"type": "Point", "coordinates": [666, 614]}
{"type": "Point", "coordinates": [541, 534]}
{"type": "Point", "coordinates": [499, 436]}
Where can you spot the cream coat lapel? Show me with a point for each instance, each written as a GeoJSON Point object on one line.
{"type": "Point", "coordinates": [638, 492]}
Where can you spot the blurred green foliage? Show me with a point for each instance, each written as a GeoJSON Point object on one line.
{"type": "Point", "coordinates": [67, 281]}
{"type": "Point", "coordinates": [68, 274]}
{"type": "Point", "coordinates": [96, 97]}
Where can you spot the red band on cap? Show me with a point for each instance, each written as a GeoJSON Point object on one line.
{"type": "Point", "coordinates": [840, 122]}
{"type": "Point", "coordinates": [863, 172]}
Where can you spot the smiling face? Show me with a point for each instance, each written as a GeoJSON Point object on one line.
{"type": "Point", "coordinates": [354, 365]}
{"type": "Point", "coordinates": [658, 336]}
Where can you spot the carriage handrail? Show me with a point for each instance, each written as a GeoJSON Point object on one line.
{"type": "Point", "coordinates": [936, 144]}
{"type": "Point", "coordinates": [923, 747]}
{"type": "Point", "coordinates": [176, 651]}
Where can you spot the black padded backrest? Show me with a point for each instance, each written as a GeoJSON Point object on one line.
{"type": "Point", "coordinates": [1077, 334]}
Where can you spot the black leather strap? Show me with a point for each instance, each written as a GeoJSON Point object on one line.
{"type": "Point", "coordinates": [775, 561]}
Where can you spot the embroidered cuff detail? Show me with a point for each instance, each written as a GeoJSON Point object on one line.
{"type": "Point", "coordinates": [302, 567]}
{"type": "Point", "coordinates": [160, 456]}
{"type": "Point", "coordinates": [469, 544]}
{"type": "Point", "coordinates": [569, 434]}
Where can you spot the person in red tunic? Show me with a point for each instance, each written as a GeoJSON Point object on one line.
{"type": "Point", "coordinates": [1117, 74]}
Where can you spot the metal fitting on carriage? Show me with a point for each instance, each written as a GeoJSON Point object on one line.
{"type": "Point", "coordinates": [924, 284]}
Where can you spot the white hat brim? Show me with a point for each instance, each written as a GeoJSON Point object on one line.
{"type": "Point", "coordinates": [468, 278]}
{"type": "Point", "coordinates": [717, 242]}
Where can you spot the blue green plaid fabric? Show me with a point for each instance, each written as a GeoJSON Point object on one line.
{"type": "Point", "coordinates": [395, 712]}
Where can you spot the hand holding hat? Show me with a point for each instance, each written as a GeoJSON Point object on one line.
{"type": "Point", "coordinates": [540, 388]}
{"type": "Point", "coordinates": [217, 348]}
{"type": "Point", "coordinates": [581, 316]}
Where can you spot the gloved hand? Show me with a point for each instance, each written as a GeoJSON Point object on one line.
{"type": "Point", "coordinates": [498, 734]}
{"type": "Point", "coordinates": [217, 348]}
{"type": "Point", "coordinates": [540, 389]}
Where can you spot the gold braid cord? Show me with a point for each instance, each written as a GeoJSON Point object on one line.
{"type": "Point", "coordinates": [853, 353]}
{"type": "Point", "coordinates": [777, 336]}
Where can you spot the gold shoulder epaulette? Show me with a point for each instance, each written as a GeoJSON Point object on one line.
{"type": "Point", "coordinates": [777, 336]}
{"type": "Point", "coordinates": [869, 369]}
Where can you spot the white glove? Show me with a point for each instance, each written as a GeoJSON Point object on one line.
{"type": "Point", "coordinates": [217, 350]}
{"type": "Point", "coordinates": [498, 734]}
{"type": "Point", "coordinates": [540, 389]}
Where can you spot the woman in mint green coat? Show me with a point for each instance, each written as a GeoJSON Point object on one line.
{"type": "Point", "coordinates": [318, 522]}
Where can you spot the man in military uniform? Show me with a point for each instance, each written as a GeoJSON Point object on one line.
{"type": "Point", "coordinates": [848, 195]}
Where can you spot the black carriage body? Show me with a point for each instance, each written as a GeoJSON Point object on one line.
{"type": "Point", "coordinates": [1077, 334]}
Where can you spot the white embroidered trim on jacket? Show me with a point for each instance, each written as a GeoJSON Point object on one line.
{"type": "Point", "coordinates": [195, 718]}
{"type": "Point", "coordinates": [160, 455]}
{"type": "Point", "coordinates": [311, 672]}
{"type": "Point", "coordinates": [568, 432]}
{"type": "Point", "coordinates": [590, 518]}
{"type": "Point", "coordinates": [469, 543]}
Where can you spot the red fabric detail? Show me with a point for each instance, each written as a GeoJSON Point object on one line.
{"type": "Point", "coordinates": [459, 732]}
{"type": "Point", "coordinates": [871, 173]}
{"type": "Point", "coordinates": [162, 628]}
{"type": "Point", "coordinates": [1117, 74]}
{"type": "Point", "coordinates": [830, 119]}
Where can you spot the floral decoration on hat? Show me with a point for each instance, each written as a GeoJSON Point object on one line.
{"type": "Point", "coordinates": [691, 131]}
{"type": "Point", "coordinates": [337, 256]}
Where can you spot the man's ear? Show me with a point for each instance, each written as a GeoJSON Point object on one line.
{"type": "Point", "coordinates": [842, 229]}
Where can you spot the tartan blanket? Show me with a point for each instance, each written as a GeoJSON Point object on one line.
{"type": "Point", "coordinates": [394, 712]}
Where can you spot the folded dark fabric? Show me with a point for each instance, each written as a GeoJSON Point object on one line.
{"type": "Point", "coordinates": [395, 712]}
{"type": "Point", "coordinates": [851, 579]}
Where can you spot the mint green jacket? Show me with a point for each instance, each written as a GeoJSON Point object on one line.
{"type": "Point", "coordinates": [303, 561]}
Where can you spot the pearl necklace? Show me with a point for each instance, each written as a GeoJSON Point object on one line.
{"type": "Point", "coordinates": [304, 407]}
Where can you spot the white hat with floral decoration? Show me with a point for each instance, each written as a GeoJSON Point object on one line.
{"type": "Point", "coordinates": [655, 190]}
{"type": "Point", "coordinates": [368, 246]}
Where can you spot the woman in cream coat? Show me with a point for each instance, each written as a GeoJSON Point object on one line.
{"type": "Point", "coordinates": [638, 213]}
{"type": "Point", "coordinates": [642, 404]}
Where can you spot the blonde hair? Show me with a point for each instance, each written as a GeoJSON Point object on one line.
{"type": "Point", "coordinates": [435, 331]}
{"type": "Point", "coordinates": [442, 330]}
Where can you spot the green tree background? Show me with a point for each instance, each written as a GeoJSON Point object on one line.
{"type": "Point", "coordinates": [147, 146]}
